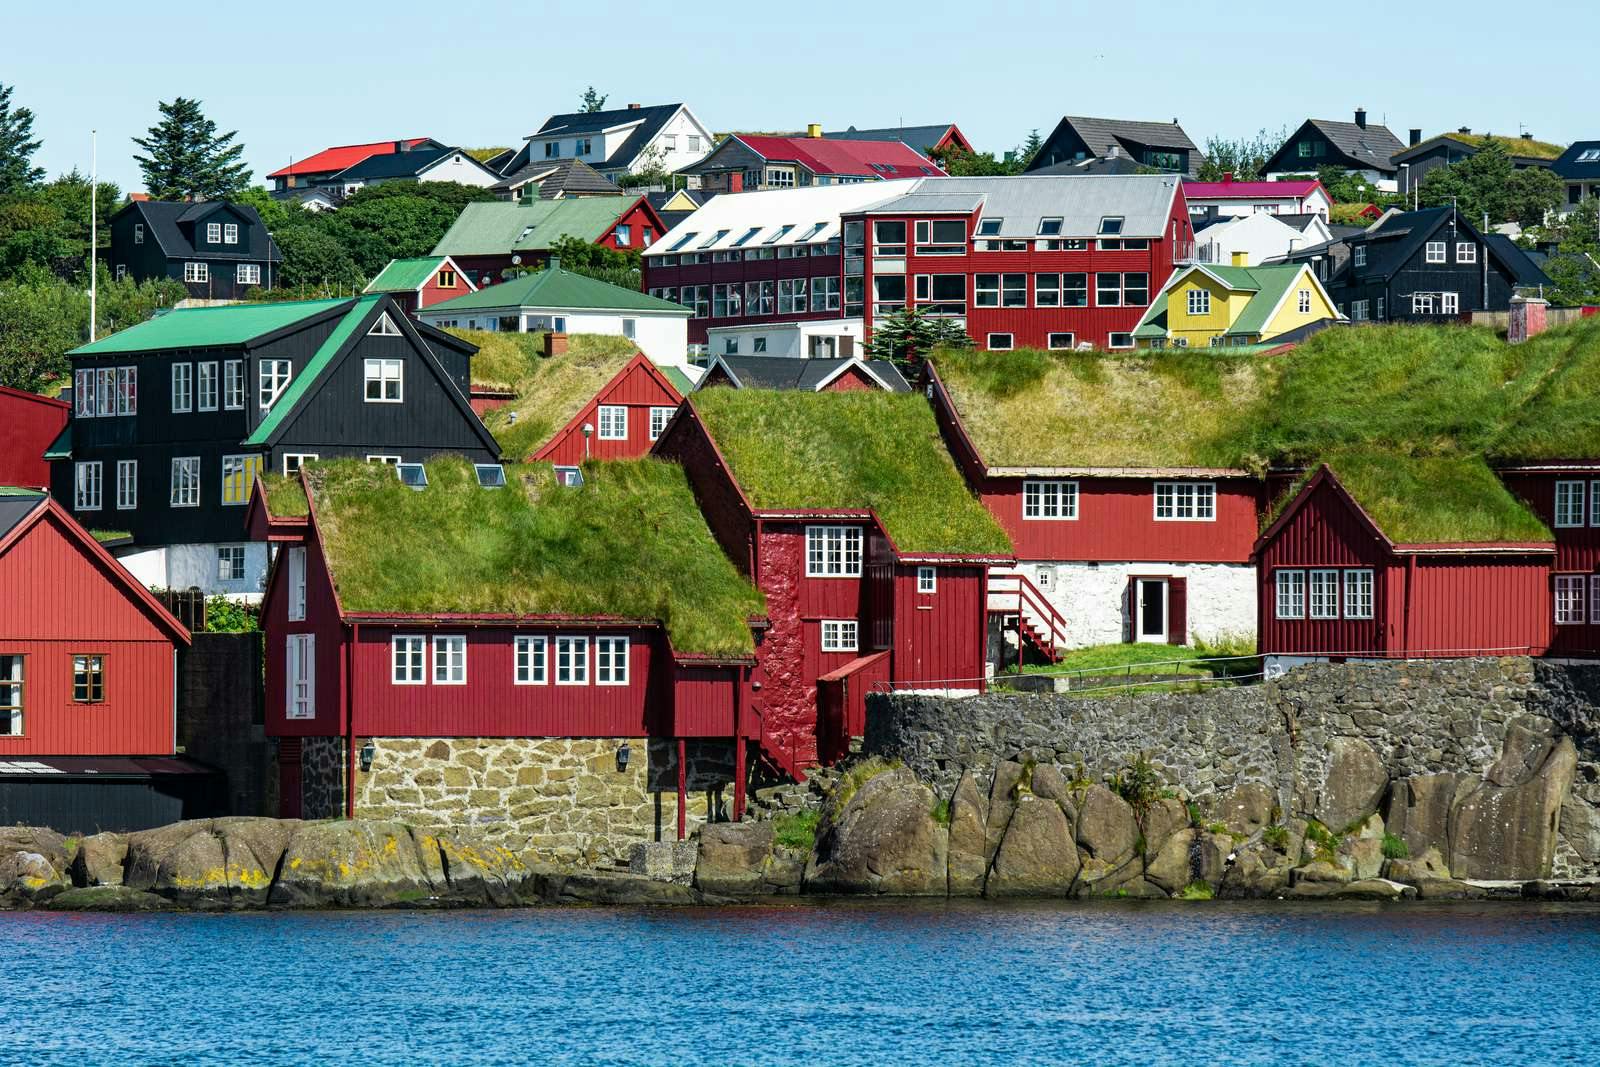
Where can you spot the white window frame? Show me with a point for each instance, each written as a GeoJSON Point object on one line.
{"type": "Point", "coordinates": [927, 581]}
{"type": "Point", "coordinates": [1322, 593]}
{"type": "Point", "coordinates": [454, 648]}
{"type": "Point", "coordinates": [184, 491]}
{"type": "Point", "coordinates": [1466, 252]}
{"type": "Point", "coordinates": [611, 661]}
{"type": "Point", "coordinates": [233, 385]}
{"type": "Point", "coordinates": [1358, 256]}
{"type": "Point", "coordinates": [196, 273]}
{"type": "Point", "coordinates": [384, 327]}
{"type": "Point", "coordinates": [182, 388]}
{"type": "Point", "coordinates": [1202, 497]}
{"type": "Point", "coordinates": [1049, 501]}
{"type": "Point", "coordinates": [138, 233]}
{"type": "Point", "coordinates": [383, 371]}
{"type": "Point", "coordinates": [1594, 599]}
{"type": "Point", "coordinates": [841, 635]}
{"type": "Point", "coordinates": [1304, 304]}
{"type": "Point", "coordinates": [1358, 593]}
{"type": "Point", "coordinates": [1568, 599]}
{"type": "Point", "coordinates": [659, 417]}
{"type": "Point", "coordinates": [1449, 303]}
{"type": "Point", "coordinates": [572, 660]}
{"type": "Point", "coordinates": [247, 468]}
{"type": "Point", "coordinates": [272, 378]}
{"type": "Point", "coordinates": [300, 460]}
{"type": "Point", "coordinates": [247, 274]}
{"type": "Point", "coordinates": [1434, 252]}
{"type": "Point", "coordinates": [87, 486]}
{"type": "Point", "coordinates": [230, 233]}
{"type": "Point", "coordinates": [408, 659]}
{"type": "Point", "coordinates": [300, 669]}
{"type": "Point", "coordinates": [1594, 503]}
{"type": "Point", "coordinates": [834, 551]}
{"type": "Point", "coordinates": [295, 560]}
{"type": "Point", "coordinates": [1000, 342]}
{"type": "Point", "coordinates": [612, 422]}
{"type": "Point", "coordinates": [1289, 593]}
{"type": "Point", "coordinates": [207, 387]}
{"type": "Point", "coordinates": [385, 459]}
{"type": "Point", "coordinates": [1569, 504]}
{"type": "Point", "coordinates": [227, 555]}
{"type": "Point", "coordinates": [214, 233]}
{"type": "Point", "coordinates": [527, 668]}
{"type": "Point", "coordinates": [1199, 301]}
{"type": "Point", "coordinates": [127, 484]}
{"type": "Point", "coordinates": [1422, 303]}
{"type": "Point", "coordinates": [1050, 341]}
{"type": "Point", "coordinates": [14, 678]}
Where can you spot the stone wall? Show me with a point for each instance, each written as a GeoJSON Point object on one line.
{"type": "Point", "coordinates": [1315, 738]}
{"type": "Point", "coordinates": [322, 767]}
{"type": "Point", "coordinates": [562, 798]}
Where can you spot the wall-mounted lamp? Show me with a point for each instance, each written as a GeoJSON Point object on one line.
{"type": "Point", "coordinates": [368, 750]}
{"type": "Point", "coordinates": [588, 432]}
{"type": "Point", "coordinates": [624, 753]}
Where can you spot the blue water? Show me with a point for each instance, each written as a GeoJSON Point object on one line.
{"type": "Point", "coordinates": [844, 983]}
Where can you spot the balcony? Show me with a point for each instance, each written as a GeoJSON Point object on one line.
{"type": "Point", "coordinates": [1184, 252]}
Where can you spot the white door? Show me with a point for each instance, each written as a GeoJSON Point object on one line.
{"type": "Point", "coordinates": [1150, 620]}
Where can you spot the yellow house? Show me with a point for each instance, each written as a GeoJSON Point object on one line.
{"type": "Point", "coordinates": [1205, 305]}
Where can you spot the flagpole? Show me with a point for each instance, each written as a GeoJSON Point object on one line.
{"type": "Point", "coordinates": [94, 226]}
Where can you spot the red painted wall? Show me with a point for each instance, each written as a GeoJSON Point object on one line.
{"type": "Point", "coordinates": [636, 218]}
{"type": "Point", "coordinates": [940, 638]}
{"type": "Point", "coordinates": [433, 293]}
{"type": "Point", "coordinates": [1577, 551]}
{"type": "Point", "coordinates": [57, 600]}
{"type": "Point", "coordinates": [703, 702]}
{"type": "Point", "coordinates": [639, 391]}
{"type": "Point", "coordinates": [1481, 603]}
{"type": "Point", "coordinates": [322, 619]}
{"type": "Point", "coordinates": [708, 273]}
{"type": "Point", "coordinates": [851, 381]}
{"type": "Point", "coordinates": [29, 424]}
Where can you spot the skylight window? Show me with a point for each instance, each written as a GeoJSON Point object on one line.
{"type": "Point", "coordinates": [571, 477]}
{"type": "Point", "coordinates": [713, 239]}
{"type": "Point", "coordinates": [989, 227]}
{"type": "Point", "coordinates": [815, 229]}
{"type": "Point", "coordinates": [1050, 227]}
{"type": "Point", "coordinates": [490, 475]}
{"type": "Point", "coordinates": [744, 237]}
{"type": "Point", "coordinates": [1110, 224]}
{"type": "Point", "coordinates": [779, 235]}
{"type": "Point", "coordinates": [685, 239]}
{"type": "Point", "coordinates": [412, 475]}
{"type": "Point", "coordinates": [1589, 155]}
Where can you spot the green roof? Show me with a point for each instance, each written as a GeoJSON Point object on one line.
{"type": "Point", "coordinates": [17, 490]}
{"type": "Point", "coordinates": [301, 383]}
{"type": "Point", "coordinates": [404, 275]}
{"type": "Point", "coordinates": [497, 227]}
{"type": "Point", "coordinates": [557, 288]}
{"type": "Point", "coordinates": [211, 327]}
{"type": "Point", "coordinates": [848, 451]}
{"type": "Point", "coordinates": [630, 543]}
{"type": "Point", "coordinates": [680, 381]}
{"type": "Point", "coordinates": [1269, 283]}
{"type": "Point", "coordinates": [1436, 499]}
{"type": "Point", "coordinates": [61, 447]}
{"type": "Point", "coordinates": [1557, 413]}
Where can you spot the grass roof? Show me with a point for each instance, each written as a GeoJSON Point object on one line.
{"type": "Point", "coordinates": [286, 497]}
{"type": "Point", "coordinates": [550, 391]}
{"type": "Point", "coordinates": [629, 543]}
{"type": "Point", "coordinates": [1556, 407]}
{"type": "Point", "coordinates": [1435, 499]}
{"type": "Point", "coordinates": [1150, 409]}
{"type": "Point", "coordinates": [852, 450]}
{"type": "Point", "coordinates": [1516, 146]}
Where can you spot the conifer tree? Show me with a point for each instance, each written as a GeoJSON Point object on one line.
{"type": "Point", "coordinates": [185, 157]}
{"type": "Point", "coordinates": [17, 146]}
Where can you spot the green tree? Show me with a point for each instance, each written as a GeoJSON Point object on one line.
{"type": "Point", "coordinates": [960, 163]}
{"type": "Point", "coordinates": [275, 214]}
{"type": "Point", "coordinates": [1532, 194]}
{"type": "Point", "coordinates": [1488, 182]}
{"type": "Point", "coordinates": [48, 225]}
{"type": "Point", "coordinates": [42, 317]}
{"type": "Point", "coordinates": [1575, 267]}
{"type": "Point", "coordinates": [1028, 149]}
{"type": "Point", "coordinates": [907, 335]}
{"type": "Point", "coordinates": [17, 146]}
{"type": "Point", "coordinates": [591, 101]}
{"type": "Point", "coordinates": [396, 220]}
{"type": "Point", "coordinates": [314, 263]}
{"type": "Point", "coordinates": [1243, 157]}
{"type": "Point", "coordinates": [187, 159]}
{"type": "Point", "coordinates": [617, 266]}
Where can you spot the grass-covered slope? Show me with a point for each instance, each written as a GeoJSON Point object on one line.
{"type": "Point", "coordinates": [286, 497]}
{"type": "Point", "coordinates": [1556, 413]}
{"type": "Point", "coordinates": [1436, 499]}
{"type": "Point", "coordinates": [630, 543]}
{"type": "Point", "coordinates": [851, 450]}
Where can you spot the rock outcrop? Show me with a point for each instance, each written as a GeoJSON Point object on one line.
{"type": "Point", "coordinates": [884, 839]}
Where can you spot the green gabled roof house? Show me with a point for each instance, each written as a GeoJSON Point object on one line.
{"type": "Point", "coordinates": [495, 241]}
{"type": "Point", "coordinates": [174, 418]}
{"type": "Point", "coordinates": [1210, 305]}
{"type": "Point", "coordinates": [421, 281]}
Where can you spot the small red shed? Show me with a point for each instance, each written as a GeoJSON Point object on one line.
{"type": "Point", "coordinates": [29, 424]}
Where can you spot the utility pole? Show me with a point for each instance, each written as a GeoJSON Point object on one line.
{"type": "Point", "coordinates": [94, 227]}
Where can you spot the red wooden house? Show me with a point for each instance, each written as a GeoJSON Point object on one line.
{"type": "Point", "coordinates": [29, 424]}
{"type": "Point", "coordinates": [621, 421]}
{"type": "Point", "coordinates": [1566, 497]}
{"type": "Point", "coordinates": [494, 241]}
{"type": "Point", "coordinates": [1374, 557]}
{"type": "Point", "coordinates": [845, 512]}
{"type": "Point", "coordinates": [421, 282]}
{"type": "Point", "coordinates": [548, 628]}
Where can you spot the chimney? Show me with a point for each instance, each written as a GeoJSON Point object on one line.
{"type": "Point", "coordinates": [1527, 318]}
{"type": "Point", "coordinates": [555, 344]}
{"type": "Point", "coordinates": [634, 107]}
{"type": "Point", "coordinates": [813, 129]}
{"type": "Point", "coordinates": [1227, 177]}
{"type": "Point", "coordinates": [1241, 259]}
{"type": "Point", "coordinates": [554, 264]}
{"type": "Point", "coordinates": [1416, 137]}
{"type": "Point", "coordinates": [1113, 151]}
{"type": "Point", "coordinates": [1527, 135]}
{"type": "Point", "coordinates": [1361, 117]}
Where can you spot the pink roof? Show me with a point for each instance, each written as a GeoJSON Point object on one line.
{"type": "Point", "coordinates": [822, 156]}
{"type": "Point", "coordinates": [341, 156]}
{"type": "Point", "coordinates": [1255, 190]}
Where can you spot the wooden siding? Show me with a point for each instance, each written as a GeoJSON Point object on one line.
{"type": "Point", "coordinates": [704, 702]}
{"type": "Point", "coordinates": [843, 697]}
{"type": "Point", "coordinates": [1577, 551]}
{"type": "Point", "coordinates": [687, 444]}
{"type": "Point", "coordinates": [940, 639]}
{"type": "Point", "coordinates": [1495, 604]}
{"type": "Point", "coordinates": [28, 426]}
{"type": "Point", "coordinates": [322, 620]}
{"type": "Point", "coordinates": [638, 390]}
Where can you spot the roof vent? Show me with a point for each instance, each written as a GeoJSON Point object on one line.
{"type": "Point", "coordinates": [554, 263]}
{"type": "Point", "coordinates": [813, 129]}
{"type": "Point", "coordinates": [490, 475]}
{"type": "Point", "coordinates": [1463, 129]}
{"type": "Point", "coordinates": [634, 107]}
{"type": "Point", "coordinates": [412, 475]}
{"type": "Point", "coordinates": [1416, 136]}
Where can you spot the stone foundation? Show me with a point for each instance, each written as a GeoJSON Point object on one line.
{"type": "Point", "coordinates": [322, 764]}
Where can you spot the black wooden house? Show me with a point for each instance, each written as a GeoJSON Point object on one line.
{"type": "Point", "coordinates": [1365, 147]}
{"type": "Point", "coordinates": [174, 418]}
{"type": "Point", "coordinates": [218, 250]}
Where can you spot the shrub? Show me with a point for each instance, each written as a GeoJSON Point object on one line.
{"type": "Point", "coordinates": [1138, 784]}
{"type": "Point", "coordinates": [941, 812]}
{"type": "Point", "coordinates": [1196, 890]}
{"type": "Point", "coordinates": [1195, 817]}
{"type": "Point", "coordinates": [1395, 847]}
{"type": "Point", "coordinates": [797, 831]}
{"type": "Point", "coordinates": [1276, 836]}
{"type": "Point", "coordinates": [1325, 843]}
{"type": "Point", "coordinates": [226, 616]}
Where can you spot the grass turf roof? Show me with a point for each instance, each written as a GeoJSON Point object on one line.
{"type": "Point", "coordinates": [1435, 499]}
{"type": "Point", "coordinates": [286, 497]}
{"type": "Point", "coordinates": [630, 542]}
{"type": "Point", "coordinates": [1557, 407]}
{"type": "Point", "coordinates": [550, 391]}
{"type": "Point", "coordinates": [851, 450]}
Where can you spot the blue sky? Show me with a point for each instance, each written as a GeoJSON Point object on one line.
{"type": "Point", "coordinates": [293, 79]}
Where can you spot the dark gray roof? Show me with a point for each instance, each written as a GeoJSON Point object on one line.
{"type": "Point", "coordinates": [15, 508]}
{"type": "Point", "coordinates": [394, 164]}
{"type": "Point", "coordinates": [498, 161]}
{"type": "Point", "coordinates": [786, 372]}
{"type": "Point", "coordinates": [576, 123]}
{"type": "Point", "coordinates": [1568, 166]}
{"type": "Point", "coordinates": [1524, 271]}
{"type": "Point", "coordinates": [1299, 220]}
{"type": "Point", "coordinates": [1094, 165]}
{"type": "Point", "coordinates": [1371, 145]}
{"type": "Point", "coordinates": [572, 177]}
{"type": "Point", "coordinates": [922, 138]}
{"type": "Point", "coordinates": [166, 220]}
{"type": "Point", "coordinates": [1099, 134]}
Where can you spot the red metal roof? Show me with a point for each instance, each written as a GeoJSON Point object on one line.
{"type": "Point", "coordinates": [821, 156]}
{"type": "Point", "coordinates": [341, 156]}
{"type": "Point", "coordinates": [1270, 190]}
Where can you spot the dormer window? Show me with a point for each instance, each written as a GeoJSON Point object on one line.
{"type": "Point", "coordinates": [384, 327]}
{"type": "Point", "coordinates": [1589, 155]}
{"type": "Point", "coordinates": [230, 233]}
{"type": "Point", "coordinates": [552, 150]}
{"type": "Point", "coordinates": [719, 235]}
{"type": "Point", "coordinates": [779, 234]}
{"type": "Point", "coordinates": [490, 475]}
{"type": "Point", "coordinates": [685, 239]}
{"type": "Point", "coordinates": [581, 146]}
{"type": "Point", "coordinates": [815, 229]}
{"type": "Point", "coordinates": [1050, 227]}
{"type": "Point", "coordinates": [989, 227]}
{"type": "Point", "coordinates": [571, 477]}
{"type": "Point", "coordinates": [1110, 224]}
{"type": "Point", "coordinates": [745, 237]}
{"type": "Point", "coordinates": [213, 233]}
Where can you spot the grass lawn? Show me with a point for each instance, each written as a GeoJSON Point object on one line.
{"type": "Point", "coordinates": [1119, 658]}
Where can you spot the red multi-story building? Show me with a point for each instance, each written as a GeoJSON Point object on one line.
{"type": "Point", "coordinates": [29, 425]}
{"type": "Point", "coordinates": [1566, 497]}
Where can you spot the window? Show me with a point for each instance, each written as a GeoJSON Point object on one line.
{"type": "Point", "coordinates": [86, 486]}
{"type": "Point", "coordinates": [1569, 503]}
{"type": "Point", "coordinates": [1290, 588]}
{"type": "Point", "coordinates": [1014, 290]}
{"type": "Point", "coordinates": [611, 661]}
{"type": "Point", "coordinates": [1381, 307]}
{"type": "Point", "coordinates": [239, 474]}
{"type": "Point", "coordinates": [941, 237]}
{"type": "Point", "coordinates": [999, 342]}
{"type": "Point", "coordinates": [447, 278]}
{"type": "Point", "coordinates": [1121, 290]}
{"type": "Point", "coordinates": [1305, 301]}
{"type": "Point", "coordinates": [1594, 503]}
{"type": "Point", "coordinates": [489, 475]}
{"type": "Point", "coordinates": [552, 150]}
{"type": "Point", "coordinates": [758, 346]}
{"type": "Point", "coordinates": [1569, 599]}
{"type": "Point", "coordinates": [531, 663]}
{"type": "Point", "coordinates": [1049, 500]}
{"type": "Point", "coordinates": [1050, 227]}
{"type": "Point", "coordinates": [1120, 340]}
{"type": "Point", "coordinates": [624, 234]}
{"type": "Point", "coordinates": [449, 660]}
{"type": "Point", "coordinates": [83, 394]}
{"type": "Point", "coordinates": [989, 227]}
{"type": "Point", "coordinates": [185, 491]}
{"type": "Point", "coordinates": [384, 327]}
{"type": "Point", "coordinates": [214, 233]}
{"type": "Point", "coordinates": [272, 376]}
{"type": "Point", "coordinates": [1358, 593]}
{"type": "Point", "coordinates": [986, 290]}
{"type": "Point", "coordinates": [233, 384]}
{"type": "Point", "coordinates": [659, 417]}
{"type": "Point", "coordinates": [138, 233]}
{"type": "Point", "coordinates": [1324, 590]}
{"type": "Point", "coordinates": [247, 274]}
{"type": "Point", "coordinates": [824, 294]}
{"type": "Point", "coordinates": [1449, 303]}
{"type": "Point", "coordinates": [196, 272]}
{"type": "Point", "coordinates": [1074, 290]}
{"type": "Point", "coordinates": [730, 346]}
{"type": "Point", "coordinates": [833, 551]}
{"type": "Point", "coordinates": [1434, 252]}
{"type": "Point", "coordinates": [407, 659]}
{"type": "Point", "coordinates": [182, 387]}
{"type": "Point", "coordinates": [1466, 252]}
{"type": "Point", "coordinates": [582, 146]}
{"type": "Point", "coordinates": [230, 563]}
{"type": "Point", "coordinates": [572, 661]}
{"type": "Point", "coordinates": [1422, 303]}
{"type": "Point", "coordinates": [384, 381]}
{"type": "Point", "coordinates": [685, 239]}
{"type": "Point", "coordinates": [1594, 599]}
{"type": "Point", "coordinates": [293, 461]}
{"type": "Point", "coordinates": [1110, 225]}
{"type": "Point", "coordinates": [127, 484]}
{"type": "Point", "coordinates": [1047, 290]}
{"type": "Point", "coordinates": [296, 560]}
{"type": "Point", "coordinates": [206, 379]}
{"type": "Point", "coordinates": [889, 292]}
{"type": "Point", "coordinates": [839, 635]}
{"type": "Point", "coordinates": [387, 461]}
{"type": "Point", "coordinates": [105, 391]}
{"type": "Point", "coordinates": [1359, 255]}
{"type": "Point", "coordinates": [1060, 340]}
{"type": "Point", "coordinates": [11, 696]}
{"type": "Point", "coordinates": [1199, 302]}
{"type": "Point", "coordinates": [1358, 310]}
{"type": "Point", "coordinates": [759, 297]}
{"type": "Point", "coordinates": [927, 580]}
{"type": "Point", "coordinates": [413, 476]}
{"type": "Point", "coordinates": [791, 296]}
{"type": "Point", "coordinates": [88, 679]}
{"type": "Point", "coordinates": [300, 668]}
{"type": "Point", "coordinates": [1186, 501]}
{"type": "Point", "coordinates": [888, 238]}
{"type": "Point", "coordinates": [613, 420]}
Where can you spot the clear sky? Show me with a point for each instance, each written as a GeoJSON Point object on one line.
{"type": "Point", "coordinates": [293, 79]}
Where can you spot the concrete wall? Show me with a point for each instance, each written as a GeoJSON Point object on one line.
{"type": "Point", "coordinates": [220, 718]}
{"type": "Point", "coordinates": [187, 566]}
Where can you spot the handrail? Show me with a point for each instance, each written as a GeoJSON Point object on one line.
{"type": "Point", "coordinates": [1030, 596]}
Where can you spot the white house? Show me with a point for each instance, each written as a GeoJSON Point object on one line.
{"type": "Point", "coordinates": [559, 300]}
{"type": "Point", "coordinates": [1231, 199]}
{"type": "Point", "coordinates": [1259, 237]}
{"type": "Point", "coordinates": [416, 165]}
{"type": "Point", "coordinates": [620, 141]}
{"type": "Point", "coordinates": [817, 339]}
